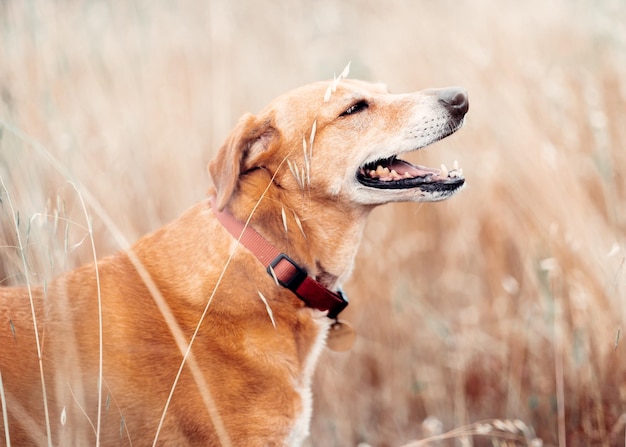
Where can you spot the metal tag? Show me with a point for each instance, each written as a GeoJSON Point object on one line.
{"type": "Point", "coordinates": [341, 336]}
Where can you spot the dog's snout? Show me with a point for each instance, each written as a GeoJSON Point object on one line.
{"type": "Point", "coordinates": [455, 100]}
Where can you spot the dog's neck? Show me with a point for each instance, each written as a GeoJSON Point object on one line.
{"type": "Point", "coordinates": [285, 271]}
{"type": "Point", "coordinates": [326, 278]}
{"type": "Point", "coordinates": [295, 227]}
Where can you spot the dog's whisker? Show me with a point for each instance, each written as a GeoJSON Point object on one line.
{"type": "Point", "coordinates": [268, 308]}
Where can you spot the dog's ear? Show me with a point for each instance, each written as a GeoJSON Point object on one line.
{"type": "Point", "coordinates": [248, 139]}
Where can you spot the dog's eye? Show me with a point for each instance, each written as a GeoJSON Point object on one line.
{"type": "Point", "coordinates": [355, 108]}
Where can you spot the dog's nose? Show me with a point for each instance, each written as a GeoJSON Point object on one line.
{"type": "Point", "coordinates": [455, 100]}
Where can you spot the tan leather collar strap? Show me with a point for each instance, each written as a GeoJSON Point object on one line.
{"type": "Point", "coordinates": [282, 268]}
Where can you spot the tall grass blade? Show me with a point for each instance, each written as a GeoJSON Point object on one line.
{"type": "Point", "coordinates": [22, 251]}
{"type": "Point", "coordinates": [99, 298]}
{"type": "Point", "coordinates": [5, 415]}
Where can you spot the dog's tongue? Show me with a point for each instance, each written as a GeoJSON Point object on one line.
{"type": "Point", "coordinates": [393, 169]}
{"type": "Point", "coordinates": [402, 167]}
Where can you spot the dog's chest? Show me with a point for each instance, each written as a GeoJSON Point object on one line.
{"type": "Point", "coordinates": [300, 429]}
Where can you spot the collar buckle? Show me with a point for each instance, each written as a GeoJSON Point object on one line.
{"type": "Point", "coordinates": [290, 276]}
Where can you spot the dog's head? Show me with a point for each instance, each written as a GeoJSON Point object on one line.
{"type": "Point", "coordinates": [341, 142]}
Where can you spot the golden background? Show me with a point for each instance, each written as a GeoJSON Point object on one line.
{"type": "Point", "coordinates": [505, 302]}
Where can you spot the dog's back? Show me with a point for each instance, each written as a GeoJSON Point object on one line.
{"type": "Point", "coordinates": [140, 355]}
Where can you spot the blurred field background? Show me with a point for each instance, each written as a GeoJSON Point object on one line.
{"type": "Point", "coordinates": [506, 302]}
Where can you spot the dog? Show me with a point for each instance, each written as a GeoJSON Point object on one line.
{"type": "Point", "coordinates": [207, 331]}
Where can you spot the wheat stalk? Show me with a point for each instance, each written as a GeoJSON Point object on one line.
{"type": "Point", "coordinates": [21, 249]}
{"type": "Point", "coordinates": [509, 429]}
{"type": "Point", "coordinates": [296, 174]}
{"type": "Point", "coordinates": [284, 218]}
{"type": "Point", "coordinates": [299, 224]}
{"type": "Point", "coordinates": [333, 85]}
{"type": "Point", "coordinates": [99, 292]}
{"type": "Point", "coordinates": [5, 415]}
{"type": "Point", "coordinates": [267, 308]}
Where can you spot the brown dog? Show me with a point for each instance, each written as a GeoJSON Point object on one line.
{"type": "Point", "coordinates": [101, 356]}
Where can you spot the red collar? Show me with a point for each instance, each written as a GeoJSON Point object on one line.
{"type": "Point", "coordinates": [282, 268]}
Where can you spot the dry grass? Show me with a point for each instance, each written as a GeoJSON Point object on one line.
{"type": "Point", "coordinates": [505, 302]}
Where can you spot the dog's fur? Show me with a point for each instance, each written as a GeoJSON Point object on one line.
{"type": "Point", "coordinates": [247, 379]}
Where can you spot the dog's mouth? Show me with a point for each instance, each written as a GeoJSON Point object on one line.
{"type": "Point", "coordinates": [393, 173]}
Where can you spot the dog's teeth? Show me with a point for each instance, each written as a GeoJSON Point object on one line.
{"type": "Point", "coordinates": [379, 170]}
{"type": "Point", "coordinates": [444, 171]}
{"type": "Point", "coordinates": [407, 175]}
{"type": "Point", "coordinates": [394, 175]}
{"type": "Point", "coordinates": [456, 173]}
